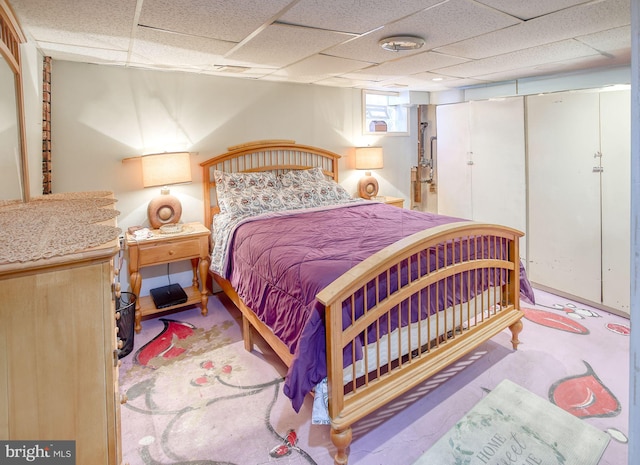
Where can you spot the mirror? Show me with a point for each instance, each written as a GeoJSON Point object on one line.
{"type": "Point", "coordinates": [10, 152]}
{"type": "Point", "coordinates": [13, 159]}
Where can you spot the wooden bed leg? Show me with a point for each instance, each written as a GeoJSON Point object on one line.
{"type": "Point", "coordinates": [341, 439]}
{"type": "Point", "coordinates": [246, 334]}
{"type": "Point", "coordinates": [515, 330]}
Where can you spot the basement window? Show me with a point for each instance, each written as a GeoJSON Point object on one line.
{"type": "Point", "coordinates": [383, 114]}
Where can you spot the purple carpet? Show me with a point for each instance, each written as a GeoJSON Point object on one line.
{"type": "Point", "coordinates": [196, 397]}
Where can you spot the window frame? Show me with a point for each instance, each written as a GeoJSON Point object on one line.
{"type": "Point", "coordinates": [395, 125]}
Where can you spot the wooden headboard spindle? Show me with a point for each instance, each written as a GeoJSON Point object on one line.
{"type": "Point", "coordinates": [277, 156]}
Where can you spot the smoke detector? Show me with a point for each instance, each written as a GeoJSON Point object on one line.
{"type": "Point", "coordinates": [400, 43]}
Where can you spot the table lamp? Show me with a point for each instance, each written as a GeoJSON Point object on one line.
{"type": "Point", "coordinates": [163, 169]}
{"type": "Point", "coordinates": [368, 158]}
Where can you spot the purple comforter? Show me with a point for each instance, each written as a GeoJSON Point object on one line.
{"type": "Point", "coordinates": [291, 257]}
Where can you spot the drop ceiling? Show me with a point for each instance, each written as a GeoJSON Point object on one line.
{"type": "Point", "coordinates": [335, 42]}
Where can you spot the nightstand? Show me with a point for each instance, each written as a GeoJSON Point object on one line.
{"type": "Point", "coordinates": [192, 243]}
{"type": "Point", "coordinates": [395, 201]}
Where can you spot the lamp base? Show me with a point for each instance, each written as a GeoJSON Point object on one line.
{"type": "Point", "coordinates": [367, 186]}
{"type": "Point", "coordinates": [164, 209]}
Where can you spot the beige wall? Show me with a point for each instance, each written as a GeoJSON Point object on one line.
{"type": "Point", "coordinates": [103, 114]}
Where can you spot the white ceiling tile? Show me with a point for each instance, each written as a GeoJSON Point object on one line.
{"type": "Point", "coordinates": [527, 9]}
{"type": "Point", "coordinates": [447, 22]}
{"type": "Point", "coordinates": [341, 81]}
{"type": "Point", "coordinates": [564, 24]}
{"type": "Point", "coordinates": [320, 67]}
{"type": "Point", "coordinates": [413, 64]}
{"type": "Point", "coordinates": [609, 41]}
{"type": "Point", "coordinates": [216, 19]}
{"type": "Point", "coordinates": [448, 82]}
{"type": "Point", "coordinates": [425, 82]}
{"type": "Point", "coordinates": [89, 23]}
{"type": "Point", "coordinates": [534, 56]}
{"type": "Point", "coordinates": [559, 67]}
{"type": "Point", "coordinates": [281, 39]}
{"type": "Point", "coordinates": [353, 16]}
{"type": "Point", "coordinates": [281, 45]}
{"type": "Point", "coordinates": [153, 46]}
{"type": "Point", "coordinates": [246, 73]}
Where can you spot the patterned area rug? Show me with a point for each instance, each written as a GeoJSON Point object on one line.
{"type": "Point", "coordinates": [196, 397]}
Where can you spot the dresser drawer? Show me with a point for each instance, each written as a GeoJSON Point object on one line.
{"type": "Point", "coordinates": [156, 253]}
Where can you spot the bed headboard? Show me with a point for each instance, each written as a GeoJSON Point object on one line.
{"type": "Point", "coordinates": [277, 156]}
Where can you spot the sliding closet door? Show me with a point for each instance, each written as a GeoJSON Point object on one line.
{"type": "Point", "coordinates": [498, 188]}
{"type": "Point", "coordinates": [481, 162]}
{"type": "Point", "coordinates": [616, 191]}
{"type": "Point", "coordinates": [564, 192]}
{"type": "Point", "coordinates": [453, 164]}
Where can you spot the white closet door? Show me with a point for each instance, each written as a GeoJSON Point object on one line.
{"type": "Point", "coordinates": [498, 188]}
{"type": "Point", "coordinates": [564, 193]}
{"type": "Point", "coordinates": [454, 172]}
{"type": "Point", "coordinates": [616, 192]}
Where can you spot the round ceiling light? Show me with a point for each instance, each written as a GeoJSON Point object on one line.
{"type": "Point", "coordinates": [400, 43]}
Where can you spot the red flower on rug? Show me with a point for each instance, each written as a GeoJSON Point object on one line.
{"type": "Point", "coordinates": [584, 396]}
{"type": "Point", "coordinates": [623, 330]}
{"type": "Point", "coordinates": [555, 321]}
{"type": "Point", "coordinates": [287, 447]}
{"type": "Point", "coordinates": [211, 373]}
{"type": "Point", "coordinates": [164, 344]}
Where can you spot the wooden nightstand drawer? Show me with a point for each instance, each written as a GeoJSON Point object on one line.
{"type": "Point", "coordinates": [154, 253]}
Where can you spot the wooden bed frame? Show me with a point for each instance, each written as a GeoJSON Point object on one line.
{"type": "Point", "coordinates": [467, 325]}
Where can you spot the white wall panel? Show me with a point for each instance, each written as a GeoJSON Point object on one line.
{"type": "Point", "coordinates": [615, 122]}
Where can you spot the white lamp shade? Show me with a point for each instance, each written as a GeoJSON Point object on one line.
{"type": "Point", "coordinates": [369, 158]}
{"type": "Point", "coordinates": [163, 169]}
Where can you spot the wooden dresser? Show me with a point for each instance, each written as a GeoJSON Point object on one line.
{"type": "Point", "coordinates": [58, 357]}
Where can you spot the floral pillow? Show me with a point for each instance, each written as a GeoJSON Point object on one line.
{"type": "Point", "coordinates": [258, 201]}
{"type": "Point", "coordinates": [301, 178]}
{"type": "Point", "coordinates": [231, 187]}
{"type": "Point", "coordinates": [321, 193]}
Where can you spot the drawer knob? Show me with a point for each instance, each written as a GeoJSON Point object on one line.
{"type": "Point", "coordinates": [171, 252]}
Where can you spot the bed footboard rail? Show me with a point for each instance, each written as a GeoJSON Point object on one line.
{"type": "Point", "coordinates": [414, 308]}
